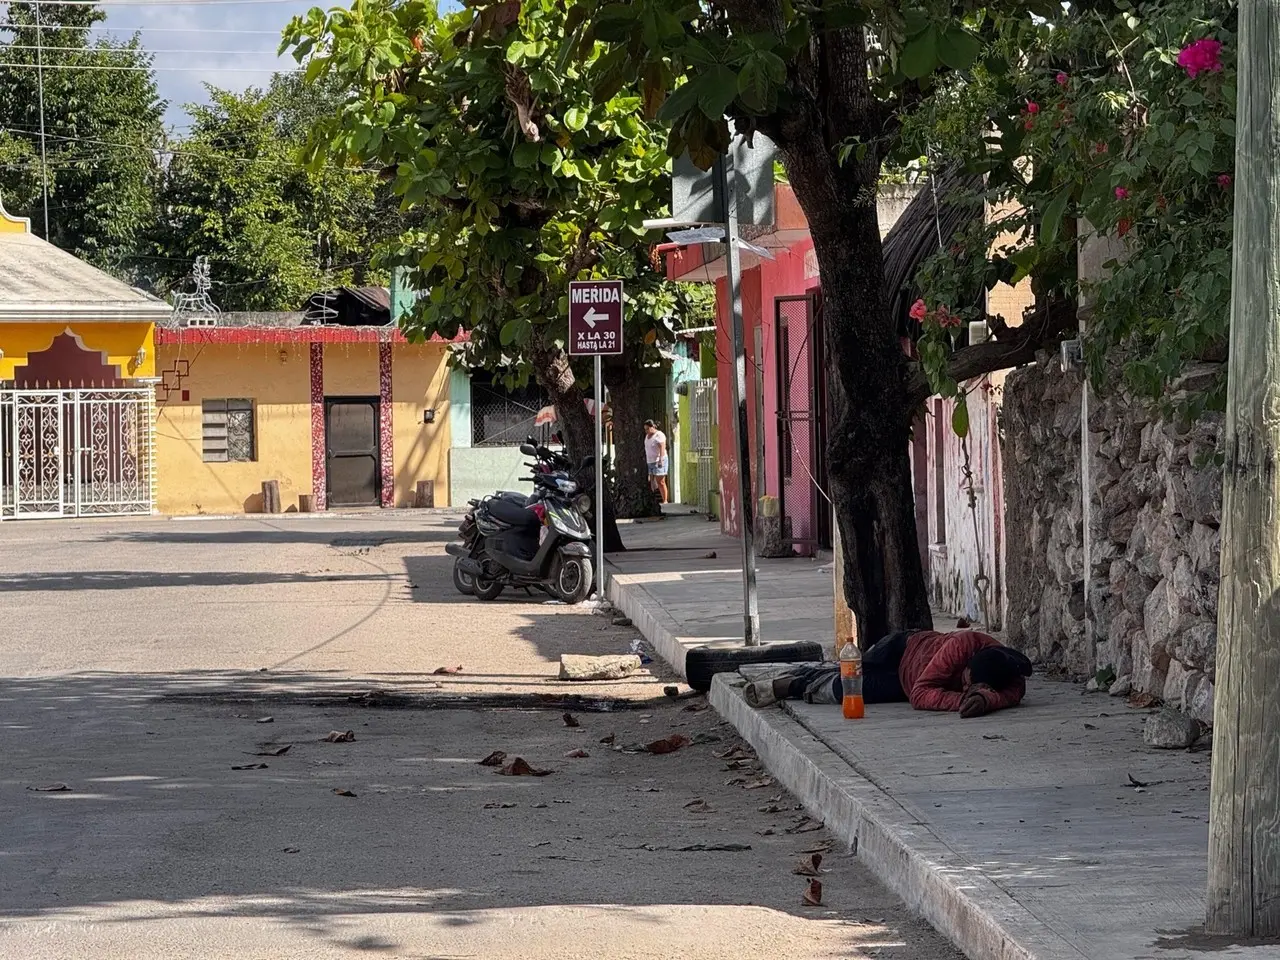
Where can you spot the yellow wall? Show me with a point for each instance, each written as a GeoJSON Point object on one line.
{"type": "Point", "coordinates": [277, 378]}
{"type": "Point", "coordinates": [120, 341]}
{"type": "Point", "coordinates": [420, 381]}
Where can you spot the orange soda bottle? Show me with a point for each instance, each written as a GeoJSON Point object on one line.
{"type": "Point", "coordinates": [850, 658]}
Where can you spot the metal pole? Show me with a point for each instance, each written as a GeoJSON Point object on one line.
{"type": "Point", "coordinates": [738, 397]}
{"type": "Point", "coordinates": [599, 504]}
{"type": "Point", "coordinates": [44, 157]}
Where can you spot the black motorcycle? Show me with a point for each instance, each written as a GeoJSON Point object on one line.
{"type": "Point", "coordinates": [544, 545]}
{"type": "Point", "coordinates": [545, 461]}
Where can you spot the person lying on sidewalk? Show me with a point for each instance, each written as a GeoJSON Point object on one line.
{"type": "Point", "coordinates": [964, 671]}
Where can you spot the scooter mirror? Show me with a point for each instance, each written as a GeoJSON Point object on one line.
{"type": "Point", "coordinates": [528, 449]}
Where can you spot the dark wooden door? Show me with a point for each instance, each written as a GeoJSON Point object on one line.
{"type": "Point", "coordinates": [353, 451]}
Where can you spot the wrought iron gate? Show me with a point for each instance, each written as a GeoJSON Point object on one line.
{"type": "Point", "coordinates": [802, 423]}
{"type": "Point", "coordinates": [76, 453]}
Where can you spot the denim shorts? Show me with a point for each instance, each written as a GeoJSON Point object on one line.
{"type": "Point", "coordinates": [658, 468]}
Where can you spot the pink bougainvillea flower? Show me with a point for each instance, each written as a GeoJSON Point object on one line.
{"type": "Point", "coordinates": [1032, 107]}
{"type": "Point", "coordinates": [1123, 226]}
{"type": "Point", "coordinates": [919, 311]}
{"type": "Point", "coordinates": [1122, 193]}
{"type": "Point", "coordinates": [1099, 148]}
{"type": "Point", "coordinates": [1201, 57]}
{"type": "Point", "coordinates": [1224, 181]}
{"type": "Point", "coordinates": [1030, 124]}
{"type": "Point", "coordinates": [1062, 79]}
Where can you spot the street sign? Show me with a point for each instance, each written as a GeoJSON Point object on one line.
{"type": "Point", "coordinates": [595, 318]}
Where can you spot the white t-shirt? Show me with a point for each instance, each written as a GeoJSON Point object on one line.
{"type": "Point", "coordinates": [655, 446]}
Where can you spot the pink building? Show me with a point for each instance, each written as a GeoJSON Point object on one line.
{"type": "Point", "coordinates": [787, 419]}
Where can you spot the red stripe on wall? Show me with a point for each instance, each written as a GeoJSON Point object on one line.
{"type": "Point", "coordinates": [246, 335]}
{"type": "Point", "coordinates": [319, 474]}
{"type": "Point", "coordinates": [386, 436]}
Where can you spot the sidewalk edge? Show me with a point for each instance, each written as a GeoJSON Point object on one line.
{"type": "Point", "coordinates": [649, 618]}
{"type": "Point", "coordinates": [963, 904]}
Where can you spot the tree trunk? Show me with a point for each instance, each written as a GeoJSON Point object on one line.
{"type": "Point", "coordinates": [631, 494]}
{"type": "Point", "coordinates": [871, 409]}
{"type": "Point", "coordinates": [555, 375]}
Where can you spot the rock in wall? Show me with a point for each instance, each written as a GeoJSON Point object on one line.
{"type": "Point", "coordinates": [1155, 509]}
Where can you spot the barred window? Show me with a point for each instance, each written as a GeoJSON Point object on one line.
{"type": "Point", "coordinates": [229, 434]}
{"type": "Point", "coordinates": [506, 418]}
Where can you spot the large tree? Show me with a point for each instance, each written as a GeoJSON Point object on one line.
{"type": "Point", "coordinates": [103, 130]}
{"type": "Point", "coordinates": [236, 191]}
{"type": "Point", "coordinates": [486, 122]}
{"type": "Point", "coordinates": [829, 82]}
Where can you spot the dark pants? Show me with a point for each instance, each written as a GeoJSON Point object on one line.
{"type": "Point", "coordinates": [820, 682]}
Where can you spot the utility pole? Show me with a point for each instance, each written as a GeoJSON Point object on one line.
{"type": "Point", "coordinates": [44, 155]}
{"type": "Point", "coordinates": [728, 188]}
{"type": "Point", "coordinates": [1244, 805]}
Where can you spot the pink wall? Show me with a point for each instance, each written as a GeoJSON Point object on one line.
{"type": "Point", "coordinates": [761, 284]}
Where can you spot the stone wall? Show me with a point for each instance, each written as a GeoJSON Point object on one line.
{"type": "Point", "coordinates": [1149, 610]}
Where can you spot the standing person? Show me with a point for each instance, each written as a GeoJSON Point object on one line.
{"type": "Point", "coordinates": [655, 452]}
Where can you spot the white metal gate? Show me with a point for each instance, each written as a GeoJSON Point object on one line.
{"type": "Point", "coordinates": [76, 453]}
{"type": "Point", "coordinates": [705, 419]}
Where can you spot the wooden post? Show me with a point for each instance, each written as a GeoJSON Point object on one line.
{"type": "Point", "coordinates": [1244, 801]}
{"type": "Point", "coordinates": [845, 626]}
{"type": "Point", "coordinates": [306, 503]}
{"type": "Point", "coordinates": [270, 496]}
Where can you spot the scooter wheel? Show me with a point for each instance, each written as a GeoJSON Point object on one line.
{"type": "Point", "coordinates": [464, 582]}
{"type": "Point", "coordinates": [574, 579]}
{"type": "Point", "coordinates": [487, 589]}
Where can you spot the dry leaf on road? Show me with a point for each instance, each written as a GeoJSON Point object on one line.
{"type": "Point", "coordinates": [699, 806]}
{"type": "Point", "coordinates": [339, 736]}
{"type": "Point", "coordinates": [735, 753]}
{"type": "Point", "coordinates": [249, 766]}
{"type": "Point", "coordinates": [495, 759]}
{"type": "Point", "coordinates": [696, 707]}
{"type": "Point", "coordinates": [446, 671]}
{"type": "Point", "coordinates": [609, 739]}
{"type": "Point", "coordinates": [813, 894]}
{"type": "Point", "coordinates": [50, 788]}
{"type": "Point", "coordinates": [578, 754]}
{"type": "Point", "coordinates": [265, 720]}
{"type": "Point", "coordinates": [809, 866]}
{"type": "Point", "coordinates": [272, 749]}
{"type": "Point", "coordinates": [343, 793]}
{"type": "Point", "coordinates": [667, 744]}
{"type": "Point", "coordinates": [759, 784]}
{"type": "Point", "coordinates": [571, 721]}
{"type": "Point", "coordinates": [519, 767]}
{"type": "Point", "coordinates": [499, 806]}
{"type": "Point", "coordinates": [805, 826]}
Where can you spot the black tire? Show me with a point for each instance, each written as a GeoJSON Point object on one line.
{"type": "Point", "coordinates": [703, 663]}
{"type": "Point", "coordinates": [487, 589]}
{"type": "Point", "coordinates": [464, 582]}
{"type": "Point", "coordinates": [574, 579]}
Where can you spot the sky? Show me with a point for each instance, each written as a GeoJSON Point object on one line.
{"type": "Point", "coordinates": [230, 45]}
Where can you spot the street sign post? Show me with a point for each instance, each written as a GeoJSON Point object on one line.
{"type": "Point", "coordinates": [595, 330]}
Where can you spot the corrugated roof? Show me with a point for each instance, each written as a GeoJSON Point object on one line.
{"type": "Point", "coordinates": [38, 279]}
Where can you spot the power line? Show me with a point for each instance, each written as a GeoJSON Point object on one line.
{"type": "Point", "coordinates": [145, 50]}
{"type": "Point", "coordinates": [189, 69]}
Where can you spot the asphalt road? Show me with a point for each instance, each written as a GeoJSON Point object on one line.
{"type": "Point", "coordinates": [138, 659]}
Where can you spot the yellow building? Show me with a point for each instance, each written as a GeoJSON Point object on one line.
{"type": "Point", "coordinates": [348, 415]}
{"type": "Point", "coordinates": [77, 358]}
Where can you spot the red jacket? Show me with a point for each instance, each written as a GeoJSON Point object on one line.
{"type": "Point", "coordinates": [932, 671]}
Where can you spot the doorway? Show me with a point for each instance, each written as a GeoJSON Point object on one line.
{"type": "Point", "coordinates": [353, 455]}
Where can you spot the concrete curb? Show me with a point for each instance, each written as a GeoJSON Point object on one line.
{"type": "Point", "coordinates": [649, 618]}
{"type": "Point", "coordinates": [943, 886]}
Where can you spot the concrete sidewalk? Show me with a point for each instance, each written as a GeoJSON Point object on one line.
{"type": "Point", "coordinates": [1048, 832]}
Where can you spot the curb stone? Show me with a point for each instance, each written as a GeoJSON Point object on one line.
{"type": "Point", "coordinates": [948, 890]}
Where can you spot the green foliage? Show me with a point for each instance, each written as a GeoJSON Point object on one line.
{"type": "Point", "coordinates": [236, 191]}
{"type": "Point", "coordinates": [1088, 116]}
{"type": "Point", "coordinates": [101, 126]}
{"type": "Point", "coordinates": [525, 177]}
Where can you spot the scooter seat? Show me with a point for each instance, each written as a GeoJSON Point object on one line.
{"type": "Point", "coordinates": [512, 514]}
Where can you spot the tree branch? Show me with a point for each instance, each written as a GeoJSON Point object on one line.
{"type": "Point", "coordinates": [1010, 347]}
